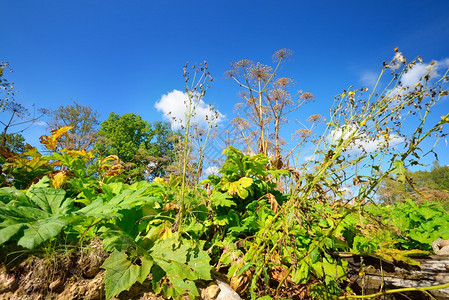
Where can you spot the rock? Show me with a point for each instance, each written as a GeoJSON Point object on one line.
{"type": "Point", "coordinates": [226, 292]}
{"type": "Point", "coordinates": [440, 247]}
{"type": "Point", "coordinates": [210, 293]}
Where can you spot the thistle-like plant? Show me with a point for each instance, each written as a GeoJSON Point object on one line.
{"type": "Point", "coordinates": [267, 101]}
{"type": "Point", "coordinates": [364, 142]}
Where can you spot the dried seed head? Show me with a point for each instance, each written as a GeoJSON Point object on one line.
{"type": "Point", "coordinates": [244, 63]}
{"type": "Point", "coordinates": [303, 133]}
{"type": "Point", "coordinates": [230, 73]}
{"type": "Point", "coordinates": [307, 96]}
{"type": "Point", "coordinates": [284, 81]}
{"type": "Point", "coordinates": [431, 67]}
{"type": "Point", "coordinates": [399, 58]}
{"type": "Point", "coordinates": [282, 54]}
{"type": "Point", "coordinates": [260, 72]}
{"type": "Point", "coordinates": [316, 118]}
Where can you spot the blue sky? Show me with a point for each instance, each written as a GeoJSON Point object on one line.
{"type": "Point", "coordinates": [123, 56]}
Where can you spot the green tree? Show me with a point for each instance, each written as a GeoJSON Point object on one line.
{"type": "Point", "coordinates": [440, 176]}
{"type": "Point", "coordinates": [84, 123]}
{"type": "Point", "coordinates": [391, 191]}
{"type": "Point", "coordinates": [15, 142]}
{"type": "Point", "coordinates": [431, 185]}
{"type": "Point", "coordinates": [144, 148]}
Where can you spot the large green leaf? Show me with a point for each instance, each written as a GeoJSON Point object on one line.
{"type": "Point", "coordinates": [40, 231]}
{"type": "Point", "coordinates": [199, 261]}
{"type": "Point", "coordinates": [126, 199]}
{"type": "Point", "coordinates": [122, 273]}
{"type": "Point", "coordinates": [183, 261]}
{"type": "Point", "coordinates": [8, 232]}
{"type": "Point", "coordinates": [51, 200]}
{"type": "Point", "coordinates": [34, 217]}
{"type": "Point", "coordinates": [221, 199]}
{"type": "Point", "coordinates": [8, 195]}
{"type": "Point", "coordinates": [116, 239]}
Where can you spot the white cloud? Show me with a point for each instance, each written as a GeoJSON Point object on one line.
{"type": "Point", "coordinates": [212, 170]}
{"type": "Point", "coordinates": [173, 106]}
{"type": "Point", "coordinates": [362, 141]}
{"type": "Point", "coordinates": [412, 77]}
{"type": "Point", "coordinates": [372, 145]}
{"type": "Point", "coordinates": [415, 74]}
{"type": "Point", "coordinates": [343, 132]}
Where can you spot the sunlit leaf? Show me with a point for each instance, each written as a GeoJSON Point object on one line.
{"type": "Point", "coordinates": [122, 272]}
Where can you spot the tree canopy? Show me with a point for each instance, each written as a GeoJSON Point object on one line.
{"type": "Point", "coordinates": [431, 185]}
{"type": "Point", "coordinates": [144, 148]}
{"type": "Point", "coordinates": [84, 123]}
{"type": "Point", "coordinates": [15, 142]}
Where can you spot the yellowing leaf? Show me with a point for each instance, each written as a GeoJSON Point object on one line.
{"type": "Point", "coordinates": [399, 169]}
{"type": "Point", "coordinates": [83, 154]}
{"type": "Point", "coordinates": [245, 182]}
{"type": "Point", "coordinates": [115, 170]}
{"type": "Point", "coordinates": [239, 187]}
{"type": "Point", "coordinates": [50, 141]}
{"type": "Point", "coordinates": [159, 180]}
{"type": "Point", "coordinates": [58, 179]}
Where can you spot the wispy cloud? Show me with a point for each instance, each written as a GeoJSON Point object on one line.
{"type": "Point", "coordinates": [173, 107]}
{"type": "Point", "coordinates": [369, 78]}
{"type": "Point", "coordinates": [309, 157]}
{"type": "Point", "coordinates": [40, 123]}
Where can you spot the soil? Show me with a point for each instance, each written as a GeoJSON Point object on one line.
{"type": "Point", "coordinates": [64, 276]}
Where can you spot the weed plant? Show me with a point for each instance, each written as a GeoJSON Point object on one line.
{"type": "Point", "coordinates": [173, 234]}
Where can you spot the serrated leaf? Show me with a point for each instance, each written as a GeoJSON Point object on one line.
{"type": "Point", "coordinates": [40, 231]}
{"type": "Point", "coordinates": [50, 200]}
{"type": "Point", "coordinates": [221, 199]}
{"type": "Point", "coordinates": [50, 141]}
{"type": "Point", "coordinates": [121, 273]}
{"type": "Point", "coordinates": [183, 262]}
{"type": "Point", "coordinates": [199, 262]}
